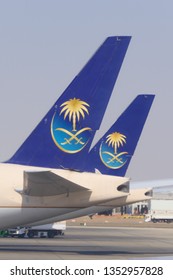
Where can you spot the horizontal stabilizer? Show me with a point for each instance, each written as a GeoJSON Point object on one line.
{"type": "Point", "coordinates": [46, 183]}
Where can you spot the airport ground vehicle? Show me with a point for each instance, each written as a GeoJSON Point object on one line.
{"type": "Point", "coordinates": [161, 206]}
{"type": "Point", "coordinates": [48, 230]}
{"type": "Point", "coordinates": [16, 232]}
{"type": "Point", "coordinates": [160, 216]}
{"type": "Point", "coordinates": [3, 233]}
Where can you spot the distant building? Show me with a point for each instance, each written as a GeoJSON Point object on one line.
{"type": "Point", "coordinates": [162, 200]}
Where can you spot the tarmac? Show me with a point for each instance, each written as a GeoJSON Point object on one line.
{"type": "Point", "coordinates": [102, 237]}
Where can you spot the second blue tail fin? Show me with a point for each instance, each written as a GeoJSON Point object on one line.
{"type": "Point", "coordinates": [113, 152]}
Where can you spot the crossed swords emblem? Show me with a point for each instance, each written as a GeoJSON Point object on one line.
{"type": "Point", "coordinates": [75, 136]}
{"type": "Point", "coordinates": [115, 157]}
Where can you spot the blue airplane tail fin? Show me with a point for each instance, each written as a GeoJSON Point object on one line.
{"type": "Point", "coordinates": [113, 152]}
{"type": "Point", "coordinates": [64, 135]}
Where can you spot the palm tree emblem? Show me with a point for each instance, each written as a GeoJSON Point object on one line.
{"type": "Point", "coordinates": [74, 108]}
{"type": "Point", "coordinates": [71, 140]}
{"type": "Point", "coordinates": [116, 140]}
{"type": "Point", "coordinates": [113, 159]}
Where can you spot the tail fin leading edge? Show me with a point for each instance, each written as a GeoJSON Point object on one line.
{"type": "Point", "coordinates": [64, 135]}
{"type": "Point", "coordinates": [113, 152]}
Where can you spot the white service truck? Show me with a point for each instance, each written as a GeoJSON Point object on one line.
{"type": "Point", "coordinates": [159, 216]}
{"type": "Point", "coordinates": [48, 230]}
{"type": "Point", "coordinates": [161, 210]}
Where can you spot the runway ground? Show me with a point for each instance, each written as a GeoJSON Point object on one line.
{"type": "Point", "coordinates": [94, 242]}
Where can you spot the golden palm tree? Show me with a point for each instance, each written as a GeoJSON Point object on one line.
{"type": "Point", "coordinates": [116, 139]}
{"type": "Point", "coordinates": [74, 108]}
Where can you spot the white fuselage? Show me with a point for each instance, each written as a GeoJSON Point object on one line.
{"type": "Point", "coordinates": [20, 209]}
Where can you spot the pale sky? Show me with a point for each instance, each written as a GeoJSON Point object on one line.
{"type": "Point", "coordinates": [45, 43]}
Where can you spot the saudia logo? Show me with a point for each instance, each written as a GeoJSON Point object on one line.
{"type": "Point", "coordinates": [109, 151]}
{"type": "Point", "coordinates": [64, 127]}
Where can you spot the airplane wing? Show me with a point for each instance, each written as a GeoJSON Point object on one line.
{"type": "Point", "coordinates": [46, 183]}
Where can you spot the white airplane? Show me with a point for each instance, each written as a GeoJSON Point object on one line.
{"type": "Point", "coordinates": [37, 182]}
